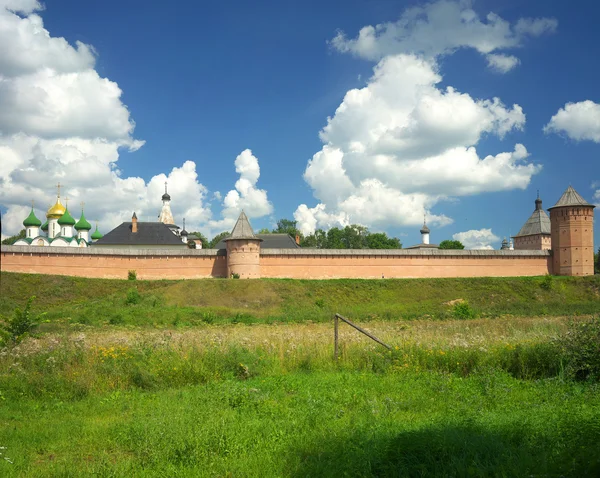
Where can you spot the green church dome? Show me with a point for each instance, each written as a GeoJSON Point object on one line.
{"type": "Point", "coordinates": [31, 220]}
{"type": "Point", "coordinates": [96, 234]}
{"type": "Point", "coordinates": [66, 219]}
{"type": "Point", "coordinates": [45, 227]}
{"type": "Point", "coordinates": [82, 224]}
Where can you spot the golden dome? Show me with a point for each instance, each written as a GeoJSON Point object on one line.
{"type": "Point", "coordinates": [56, 211]}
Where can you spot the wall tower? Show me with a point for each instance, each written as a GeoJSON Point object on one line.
{"type": "Point", "coordinates": [572, 230]}
{"type": "Point", "coordinates": [243, 250]}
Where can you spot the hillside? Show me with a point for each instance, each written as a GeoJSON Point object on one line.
{"type": "Point", "coordinates": [98, 301]}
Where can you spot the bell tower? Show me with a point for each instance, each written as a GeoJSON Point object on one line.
{"type": "Point", "coordinates": [572, 231]}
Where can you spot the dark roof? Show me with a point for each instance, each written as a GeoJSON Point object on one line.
{"type": "Point", "coordinates": [425, 229]}
{"type": "Point", "coordinates": [571, 198]}
{"type": "Point", "coordinates": [149, 233]}
{"type": "Point", "coordinates": [242, 229]}
{"type": "Point", "coordinates": [269, 241]}
{"type": "Point", "coordinates": [538, 222]}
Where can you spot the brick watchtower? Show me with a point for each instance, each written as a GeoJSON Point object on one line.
{"type": "Point", "coordinates": [572, 230]}
{"type": "Point", "coordinates": [243, 250]}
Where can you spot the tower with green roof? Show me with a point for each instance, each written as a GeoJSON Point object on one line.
{"type": "Point", "coordinates": [66, 223]}
{"type": "Point", "coordinates": [83, 227]}
{"type": "Point", "coordinates": [32, 225]}
{"type": "Point", "coordinates": [96, 234]}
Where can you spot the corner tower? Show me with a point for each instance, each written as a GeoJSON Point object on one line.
{"type": "Point", "coordinates": [243, 250]}
{"type": "Point", "coordinates": [572, 231]}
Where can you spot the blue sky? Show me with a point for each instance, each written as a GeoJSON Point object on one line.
{"type": "Point", "coordinates": [204, 82]}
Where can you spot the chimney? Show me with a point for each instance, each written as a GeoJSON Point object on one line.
{"type": "Point", "coordinates": [298, 239]}
{"type": "Point", "coordinates": [134, 227]}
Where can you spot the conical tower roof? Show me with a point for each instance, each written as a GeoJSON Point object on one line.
{"type": "Point", "coordinates": [571, 198]}
{"type": "Point", "coordinates": [83, 224]}
{"type": "Point", "coordinates": [242, 229]}
{"type": "Point", "coordinates": [66, 219]}
{"type": "Point", "coordinates": [31, 220]}
{"type": "Point", "coordinates": [538, 222]}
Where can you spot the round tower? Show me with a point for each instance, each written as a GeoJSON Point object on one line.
{"type": "Point", "coordinates": [53, 215]}
{"type": "Point", "coordinates": [425, 233]}
{"type": "Point", "coordinates": [572, 231]}
{"type": "Point", "coordinates": [243, 251]}
{"type": "Point", "coordinates": [32, 225]}
{"type": "Point", "coordinates": [83, 227]}
{"type": "Point", "coordinates": [66, 223]}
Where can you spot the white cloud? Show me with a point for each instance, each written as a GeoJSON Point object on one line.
{"type": "Point", "coordinates": [246, 196]}
{"type": "Point", "coordinates": [476, 239]}
{"type": "Point", "coordinates": [398, 146]}
{"type": "Point", "coordinates": [26, 46]}
{"type": "Point", "coordinates": [61, 121]}
{"type": "Point", "coordinates": [502, 63]}
{"type": "Point", "coordinates": [579, 121]}
{"type": "Point", "coordinates": [440, 28]}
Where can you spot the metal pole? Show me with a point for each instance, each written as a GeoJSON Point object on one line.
{"type": "Point", "coordinates": [335, 337]}
{"type": "Point", "coordinates": [368, 334]}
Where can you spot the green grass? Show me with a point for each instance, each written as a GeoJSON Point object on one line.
{"type": "Point", "coordinates": [70, 300]}
{"type": "Point", "coordinates": [318, 424]}
{"type": "Point", "coordinates": [236, 378]}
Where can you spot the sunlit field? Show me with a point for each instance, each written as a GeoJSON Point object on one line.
{"type": "Point", "coordinates": [475, 396]}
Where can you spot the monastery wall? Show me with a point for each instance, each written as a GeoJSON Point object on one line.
{"type": "Point", "coordinates": [275, 263]}
{"type": "Point", "coordinates": [403, 263]}
{"type": "Point", "coordinates": [115, 263]}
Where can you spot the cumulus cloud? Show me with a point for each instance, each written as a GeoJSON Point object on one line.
{"type": "Point", "coordinates": [476, 238]}
{"type": "Point", "coordinates": [246, 196]}
{"type": "Point", "coordinates": [579, 121]}
{"type": "Point", "coordinates": [502, 63]}
{"type": "Point", "coordinates": [401, 144]}
{"type": "Point", "coordinates": [60, 121]}
{"type": "Point", "coordinates": [441, 28]}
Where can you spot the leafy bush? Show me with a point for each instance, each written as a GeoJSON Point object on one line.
{"type": "Point", "coordinates": [235, 275]}
{"type": "Point", "coordinates": [132, 275]}
{"type": "Point", "coordinates": [580, 347]}
{"type": "Point", "coordinates": [546, 283]}
{"type": "Point", "coordinates": [133, 297]}
{"type": "Point", "coordinates": [462, 311]}
{"type": "Point", "coordinates": [21, 324]}
{"type": "Point", "coordinates": [116, 319]}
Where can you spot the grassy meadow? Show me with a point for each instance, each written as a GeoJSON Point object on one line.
{"type": "Point", "coordinates": [489, 377]}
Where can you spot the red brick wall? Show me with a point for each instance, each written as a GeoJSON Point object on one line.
{"type": "Point", "coordinates": [323, 267]}
{"type": "Point", "coordinates": [291, 264]}
{"type": "Point", "coordinates": [117, 267]}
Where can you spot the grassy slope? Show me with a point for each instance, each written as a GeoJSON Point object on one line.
{"type": "Point", "coordinates": [319, 424]}
{"type": "Point", "coordinates": [95, 301]}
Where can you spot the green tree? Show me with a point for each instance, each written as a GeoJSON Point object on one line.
{"type": "Point", "coordinates": [12, 239]}
{"type": "Point", "coordinates": [317, 239]}
{"type": "Point", "coordinates": [597, 262]}
{"type": "Point", "coordinates": [287, 226]}
{"type": "Point", "coordinates": [335, 239]}
{"type": "Point", "coordinates": [380, 240]}
{"type": "Point", "coordinates": [447, 244]}
{"type": "Point", "coordinates": [264, 230]}
{"type": "Point", "coordinates": [354, 236]}
{"type": "Point", "coordinates": [217, 238]}
{"type": "Point", "coordinates": [202, 237]}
